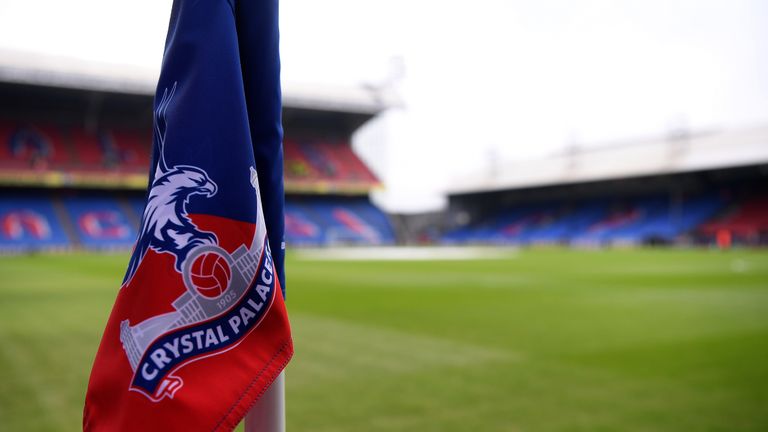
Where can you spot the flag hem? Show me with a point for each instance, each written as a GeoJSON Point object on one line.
{"type": "Point", "coordinates": [240, 408]}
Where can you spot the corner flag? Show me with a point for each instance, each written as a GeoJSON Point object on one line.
{"type": "Point", "coordinates": [199, 329]}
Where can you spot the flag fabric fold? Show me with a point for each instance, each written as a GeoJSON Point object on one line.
{"type": "Point", "coordinates": [199, 329]}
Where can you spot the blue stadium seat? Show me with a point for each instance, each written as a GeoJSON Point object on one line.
{"type": "Point", "coordinates": [30, 223]}
{"type": "Point", "coordinates": [594, 222]}
{"type": "Point", "coordinates": [325, 221]}
{"type": "Point", "coordinates": [100, 222]}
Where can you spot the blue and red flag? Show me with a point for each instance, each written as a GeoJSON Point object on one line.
{"type": "Point", "coordinates": [199, 328]}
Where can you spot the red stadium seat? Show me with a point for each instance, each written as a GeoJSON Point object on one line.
{"type": "Point", "coordinates": [747, 219]}
{"type": "Point", "coordinates": [87, 149]}
{"type": "Point", "coordinates": [133, 148]}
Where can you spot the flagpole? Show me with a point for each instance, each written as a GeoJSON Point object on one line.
{"type": "Point", "coordinates": [258, 41]}
{"type": "Point", "coordinates": [268, 415]}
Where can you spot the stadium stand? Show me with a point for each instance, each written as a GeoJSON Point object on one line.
{"type": "Point", "coordinates": [101, 222]}
{"type": "Point", "coordinates": [746, 222]}
{"type": "Point", "coordinates": [32, 147]}
{"type": "Point", "coordinates": [322, 221]}
{"type": "Point", "coordinates": [683, 187]}
{"type": "Point", "coordinates": [313, 163]}
{"type": "Point", "coordinates": [30, 222]}
{"type": "Point", "coordinates": [73, 148]}
{"type": "Point", "coordinates": [309, 161]}
{"type": "Point", "coordinates": [110, 221]}
{"type": "Point", "coordinates": [598, 222]}
{"type": "Point", "coordinates": [74, 161]}
{"type": "Point", "coordinates": [130, 148]}
{"type": "Point", "coordinates": [296, 164]}
{"type": "Point", "coordinates": [326, 186]}
{"type": "Point", "coordinates": [88, 150]}
{"type": "Point", "coordinates": [98, 221]}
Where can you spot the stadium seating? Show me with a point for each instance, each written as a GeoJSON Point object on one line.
{"type": "Point", "coordinates": [88, 149]}
{"type": "Point", "coordinates": [72, 156]}
{"type": "Point", "coordinates": [70, 148]}
{"type": "Point", "coordinates": [131, 148]}
{"type": "Point", "coordinates": [746, 221]}
{"type": "Point", "coordinates": [324, 221]}
{"type": "Point", "coordinates": [509, 226]}
{"type": "Point", "coordinates": [30, 223]}
{"type": "Point", "coordinates": [137, 205]}
{"type": "Point", "coordinates": [43, 221]}
{"type": "Point", "coordinates": [345, 164]}
{"type": "Point", "coordinates": [325, 161]}
{"type": "Point", "coordinates": [311, 164]}
{"type": "Point", "coordinates": [668, 222]}
{"type": "Point", "coordinates": [30, 147]}
{"type": "Point", "coordinates": [101, 222]}
{"type": "Point", "coordinates": [98, 221]}
{"type": "Point", "coordinates": [591, 223]}
{"type": "Point", "coordinates": [7, 157]}
{"type": "Point", "coordinates": [563, 223]}
{"type": "Point", "coordinates": [296, 164]}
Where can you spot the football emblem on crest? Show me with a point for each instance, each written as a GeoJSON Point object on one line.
{"type": "Point", "coordinates": [210, 274]}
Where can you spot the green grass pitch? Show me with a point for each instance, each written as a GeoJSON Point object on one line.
{"type": "Point", "coordinates": [542, 340]}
